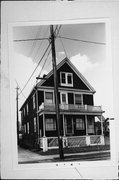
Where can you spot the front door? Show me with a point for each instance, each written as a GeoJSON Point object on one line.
{"type": "Point", "coordinates": [69, 126]}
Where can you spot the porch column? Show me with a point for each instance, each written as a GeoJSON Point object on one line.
{"type": "Point", "coordinates": [101, 125]}
{"type": "Point", "coordinates": [44, 125]}
{"type": "Point", "coordinates": [64, 125]}
{"type": "Point", "coordinates": [86, 124]}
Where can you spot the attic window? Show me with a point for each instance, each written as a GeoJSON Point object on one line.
{"type": "Point", "coordinates": [66, 79]}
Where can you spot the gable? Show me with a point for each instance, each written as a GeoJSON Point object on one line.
{"type": "Point", "coordinates": [79, 82]}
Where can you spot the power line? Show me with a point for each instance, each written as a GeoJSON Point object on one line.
{"type": "Point", "coordinates": [35, 68]}
{"type": "Point", "coordinates": [63, 46]}
{"type": "Point", "coordinates": [39, 61]}
{"type": "Point", "coordinates": [92, 42]}
{"type": "Point", "coordinates": [35, 56]}
{"type": "Point", "coordinates": [36, 39]}
{"type": "Point", "coordinates": [34, 43]}
{"type": "Point", "coordinates": [45, 62]}
{"type": "Point", "coordinates": [19, 88]}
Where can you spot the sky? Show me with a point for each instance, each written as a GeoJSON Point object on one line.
{"type": "Point", "coordinates": [89, 58]}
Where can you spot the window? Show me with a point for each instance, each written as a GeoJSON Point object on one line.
{"type": "Point", "coordinates": [24, 111]}
{"type": "Point", "coordinates": [64, 99]}
{"type": "Point", "coordinates": [78, 99]}
{"type": "Point", "coordinates": [34, 103]}
{"type": "Point", "coordinates": [34, 124]}
{"type": "Point", "coordinates": [27, 127]}
{"type": "Point", "coordinates": [80, 124]}
{"type": "Point", "coordinates": [50, 124]}
{"type": "Point", "coordinates": [27, 108]}
{"type": "Point", "coordinates": [49, 97]}
{"type": "Point", "coordinates": [66, 79]}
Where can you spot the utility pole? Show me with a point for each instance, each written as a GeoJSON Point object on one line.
{"type": "Point", "coordinates": [56, 92]}
{"type": "Point", "coordinates": [17, 112]}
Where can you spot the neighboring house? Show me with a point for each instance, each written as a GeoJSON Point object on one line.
{"type": "Point", "coordinates": [77, 111]}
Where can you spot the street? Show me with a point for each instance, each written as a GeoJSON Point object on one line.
{"type": "Point", "coordinates": [26, 156]}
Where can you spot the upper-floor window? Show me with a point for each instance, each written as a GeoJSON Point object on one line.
{"type": "Point", "coordinates": [78, 99]}
{"type": "Point", "coordinates": [34, 103]}
{"type": "Point", "coordinates": [27, 108]}
{"type": "Point", "coordinates": [49, 97]}
{"type": "Point", "coordinates": [66, 79]}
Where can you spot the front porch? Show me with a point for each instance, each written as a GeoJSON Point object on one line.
{"type": "Point", "coordinates": [47, 143]}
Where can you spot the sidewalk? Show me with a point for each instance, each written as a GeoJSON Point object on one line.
{"type": "Point", "coordinates": [27, 156]}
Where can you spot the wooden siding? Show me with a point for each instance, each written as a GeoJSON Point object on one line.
{"type": "Point", "coordinates": [88, 99]}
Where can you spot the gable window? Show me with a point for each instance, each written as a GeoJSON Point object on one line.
{"type": "Point", "coordinates": [66, 79]}
{"type": "Point", "coordinates": [50, 124]}
{"type": "Point", "coordinates": [78, 99]}
{"type": "Point", "coordinates": [49, 97]}
{"type": "Point", "coordinates": [34, 103]}
{"type": "Point", "coordinates": [80, 124]}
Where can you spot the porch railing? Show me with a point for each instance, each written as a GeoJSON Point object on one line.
{"type": "Point", "coordinates": [73, 141]}
{"type": "Point", "coordinates": [70, 107]}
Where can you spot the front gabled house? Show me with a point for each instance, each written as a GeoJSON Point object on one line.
{"type": "Point", "coordinates": [77, 111]}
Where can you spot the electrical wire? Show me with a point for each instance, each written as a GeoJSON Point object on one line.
{"type": "Point", "coordinates": [34, 43]}
{"type": "Point", "coordinates": [92, 42]}
{"type": "Point", "coordinates": [20, 89]}
{"type": "Point", "coordinates": [63, 46]}
{"type": "Point", "coordinates": [35, 68]}
{"type": "Point", "coordinates": [40, 60]}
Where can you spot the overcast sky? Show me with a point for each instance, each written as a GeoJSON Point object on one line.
{"type": "Point", "coordinates": [89, 58]}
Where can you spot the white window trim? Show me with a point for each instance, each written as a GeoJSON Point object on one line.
{"type": "Point", "coordinates": [66, 75]}
{"type": "Point", "coordinates": [27, 108]}
{"type": "Point", "coordinates": [27, 127]}
{"type": "Point", "coordinates": [63, 92]}
{"type": "Point", "coordinates": [81, 98]}
{"type": "Point", "coordinates": [45, 95]}
{"type": "Point", "coordinates": [34, 123]}
{"type": "Point", "coordinates": [34, 102]}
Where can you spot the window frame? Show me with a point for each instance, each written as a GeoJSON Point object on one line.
{"type": "Point", "coordinates": [63, 92]}
{"type": "Point", "coordinates": [45, 100]}
{"type": "Point", "coordinates": [34, 124]}
{"type": "Point", "coordinates": [81, 98]}
{"type": "Point", "coordinates": [53, 123]}
{"type": "Point", "coordinates": [66, 79]}
{"type": "Point", "coordinates": [34, 101]}
{"type": "Point", "coordinates": [81, 127]}
{"type": "Point", "coordinates": [28, 128]}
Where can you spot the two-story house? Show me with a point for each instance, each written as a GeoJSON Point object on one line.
{"type": "Point", "coordinates": [77, 111]}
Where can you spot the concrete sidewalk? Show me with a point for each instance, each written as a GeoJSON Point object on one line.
{"type": "Point", "coordinates": [28, 156]}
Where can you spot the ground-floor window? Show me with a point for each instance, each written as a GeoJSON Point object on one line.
{"type": "Point", "coordinates": [80, 124]}
{"type": "Point", "coordinates": [27, 127]}
{"type": "Point", "coordinates": [34, 124]}
{"type": "Point", "coordinates": [50, 124]}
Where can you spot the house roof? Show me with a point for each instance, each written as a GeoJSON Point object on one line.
{"type": "Point", "coordinates": [65, 60]}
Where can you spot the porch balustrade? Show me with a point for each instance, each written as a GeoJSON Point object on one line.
{"type": "Point", "coordinates": [72, 141]}
{"type": "Point", "coordinates": [70, 107]}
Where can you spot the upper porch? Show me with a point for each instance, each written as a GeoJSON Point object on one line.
{"type": "Point", "coordinates": [71, 108]}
